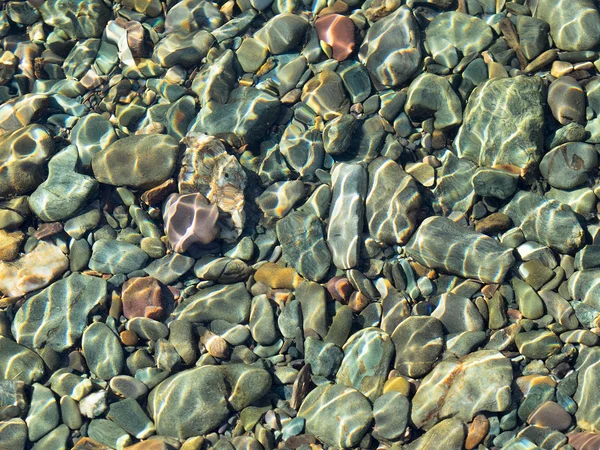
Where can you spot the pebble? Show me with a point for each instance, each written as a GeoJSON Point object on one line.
{"type": "Point", "coordinates": [199, 398]}
{"type": "Point", "coordinates": [283, 33]}
{"type": "Point", "coordinates": [566, 100]}
{"type": "Point", "coordinates": [485, 373]}
{"type": "Point", "coordinates": [189, 219]}
{"type": "Point", "coordinates": [324, 358]}
{"type": "Point", "coordinates": [424, 333]}
{"type": "Point", "coordinates": [432, 96]}
{"type": "Point", "coordinates": [391, 49]}
{"type": "Point", "coordinates": [489, 123]}
{"type": "Point", "coordinates": [18, 363]}
{"type": "Point", "coordinates": [23, 172]}
{"type": "Point", "coordinates": [395, 223]}
{"type": "Point", "coordinates": [142, 297]}
{"type": "Point", "coordinates": [391, 412]}
{"type": "Point", "coordinates": [448, 433]}
{"type": "Point", "coordinates": [43, 415]}
{"type": "Point", "coordinates": [102, 350]}
{"type": "Point", "coordinates": [573, 25]}
{"type": "Point", "coordinates": [346, 214]}
{"type": "Point", "coordinates": [337, 415]}
{"type": "Point", "coordinates": [121, 163]}
{"type": "Point", "coordinates": [470, 251]}
{"type": "Point", "coordinates": [338, 32]}
{"type": "Point", "coordinates": [325, 95]}
{"type": "Point", "coordinates": [35, 327]}
{"type": "Point", "coordinates": [567, 166]}
{"type": "Point", "coordinates": [304, 248]}
{"type": "Point", "coordinates": [367, 357]}
{"type": "Point", "coordinates": [230, 302]}
{"type": "Point", "coordinates": [550, 415]}
{"type": "Point", "coordinates": [116, 257]}
{"type": "Point", "coordinates": [65, 191]}
{"type": "Point", "coordinates": [32, 271]}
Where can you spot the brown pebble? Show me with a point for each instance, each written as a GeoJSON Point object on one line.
{"type": "Point", "coordinates": [340, 289]}
{"type": "Point", "coordinates": [550, 415]}
{"type": "Point", "coordinates": [142, 297]}
{"type": "Point", "coordinates": [150, 444]}
{"type": "Point", "coordinates": [116, 306]}
{"type": "Point", "coordinates": [77, 361]}
{"type": "Point", "coordinates": [566, 100]}
{"type": "Point", "coordinates": [10, 244]}
{"type": "Point", "coordinates": [477, 431]}
{"type": "Point", "coordinates": [48, 229]}
{"type": "Point", "coordinates": [494, 223]}
{"type": "Point", "coordinates": [215, 345]}
{"type": "Point", "coordinates": [129, 338]}
{"type": "Point", "coordinates": [358, 301]}
{"type": "Point", "coordinates": [87, 443]}
{"type": "Point", "coordinates": [159, 193]}
{"type": "Point", "coordinates": [584, 441]}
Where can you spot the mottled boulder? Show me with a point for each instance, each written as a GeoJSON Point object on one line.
{"type": "Point", "coordinates": [574, 24]}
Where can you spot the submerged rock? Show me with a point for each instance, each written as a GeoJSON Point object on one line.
{"type": "Point", "coordinates": [391, 50]}
{"type": "Point", "coordinates": [503, 123]}
{"type": "Point", "coordinates": [440, 243]}
{"type": "Point", "coordinates": [189, 219]}
{"type": "Point", "coordinates": [574, 24]}
{"type": "Point", "coordinates": [548, 222]}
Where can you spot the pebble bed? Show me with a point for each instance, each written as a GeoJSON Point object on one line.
{"type": "Point", "coordinates": [296, 224]}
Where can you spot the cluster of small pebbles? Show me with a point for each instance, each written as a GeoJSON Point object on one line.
{"type": "Point", "coordinates": [296, 224]}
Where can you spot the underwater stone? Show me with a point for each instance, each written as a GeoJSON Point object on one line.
{"type": "Point", "coordinates": [440, 243]}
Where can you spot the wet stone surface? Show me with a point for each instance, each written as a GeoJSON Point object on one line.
{"type": "Point", "coordinates": [278, 224]}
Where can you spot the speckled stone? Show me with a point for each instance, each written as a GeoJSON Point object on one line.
{"type": "Point", "coordinates": [486, 374]}
{"type": "Point", "coordinates": [337, 415]}
{"type": "Point", "coordinates": [367, 357]}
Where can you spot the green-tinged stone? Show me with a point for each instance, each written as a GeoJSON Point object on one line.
{"type": "Point", "coordinates": [199, 398]}
{"type": "Point", "coordinates": [77, 18]}
{"type": "Point", "coordinates": [560, 309]}
{"type": "Point", "coordinates": [230, 302]}
{"type": "Point", "coordinates": [43, 413]}
{"type": "Point", "coordinates": [337, 134]}
{"type": "Point", "coordinates": [337, 415]}
{"type": "Point", "coordinates": [115, 257]}
{"type": "Point", "coordinates": [283, 33]}
{"type": "Point", "coordinates": [279, 198]}
{"type": "Point", "coordinates": [440, 243]}
{"type": "Point", "coordinates": [148, 329]}
{"type": "Point", "coordinates": [130, 416]}
{"type": "Point", "coordinates": [547, 222]}
{"type": "Point", "coordinates": [489, 182]}
{"type": "Point", "coordinates": [244, 119]}
{"type": "Point", "coordinates": [69, 412]}
{"type": "Point", "coordinates": [23, 154]}
{"type": "Point", "coordinates": [432, 96]}
{"type": "Point", "coordinates": [458, 314]}
{"type": "Point", "coordinates": [262, 321]}
{"type": "Point", "coordinates": [19, 363]}
{"type": "Point", "coordinates": [314, 307]}
{"type": "Point", "coordinates": [533, 35]}
{"type": "Point", "coordinates": [150, 8]}
{"type": "Point", "coordinates": [449, 433]}
{"type": "Point", "coordinates": [102, 351]}
{"type": "Point", "coordinates": [301, 237]}
{"type": "Point", "coordinates": [391, 50]}
{"type": "Point", "coordinates": [574, 24]}
{"type": "Point", "coordinates": [184, 49]}
{"type": "Point", "coordinates": [170, 268]}
{"type": "Point", "coordinates": [108, 433]}
{"type": "Point", "coordinates": [454, 191]}
{"type": "Point", "coordinates": [452, 31]}
{"type": "Point", "coordinates": [538, 344]}
{"type": "Point", "coordinates": [324, 358]}
{"type": "Point", "coordinates": [419, 342]}
{"type": "Point", "coordinates": [503, 123]}
{"type": "Point", "coordinates": [530, 303]}
{"type": "Point", "coordinates": [65, 191]}
{"type": "Point", "coordinates": [325, 95]}
{"type": "Point", "coordinates": [582, 201]}
{"type": "Point", "coordinates": [80, 58]}
{"type": "Point", "coordinates": [486, 375]}
{"type": "Point", "coordinates": [13, 434]}
{"type": "Point", "coordinates": [391, 412]}
{"type": "Point", "coordinates": [356, 80]}
{"type": "Point", "coordinates": [367, 357]}
{"type": "Point", "coordinates": [141, 162]}
{"type": "Point", "coordinates": [56, 439]}
{"type": "Point", "coordinates": [63, 383]}
{"type": "Point", "coordinates": [392, 203]}
{"type": "Point", "coordinates": [302, 149]}
{"type": "Point", "coordinates": [37, 324]}
{"type": "Point", "coordinates": [215, 82]}
{"type": "Point", "coordinates": [566, 167]}
{"type": "Point", "coordinates": [222, 270]}
{"type": "Point", "coordinates": [251, 54]}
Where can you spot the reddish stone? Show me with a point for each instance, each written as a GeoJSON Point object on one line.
{"type": "Point", "coordinates": [584, 441]}
{"type": "Point", "coordinates": [337, 31]}
{"type": "Point", "coordinates": [550, 415]}
{"type": "Point", "coordinates": [340, 289]}
{"type": "Point", "coordinates": [189, 219]}
{"type": "Point", "coordinates": [142, 297]}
